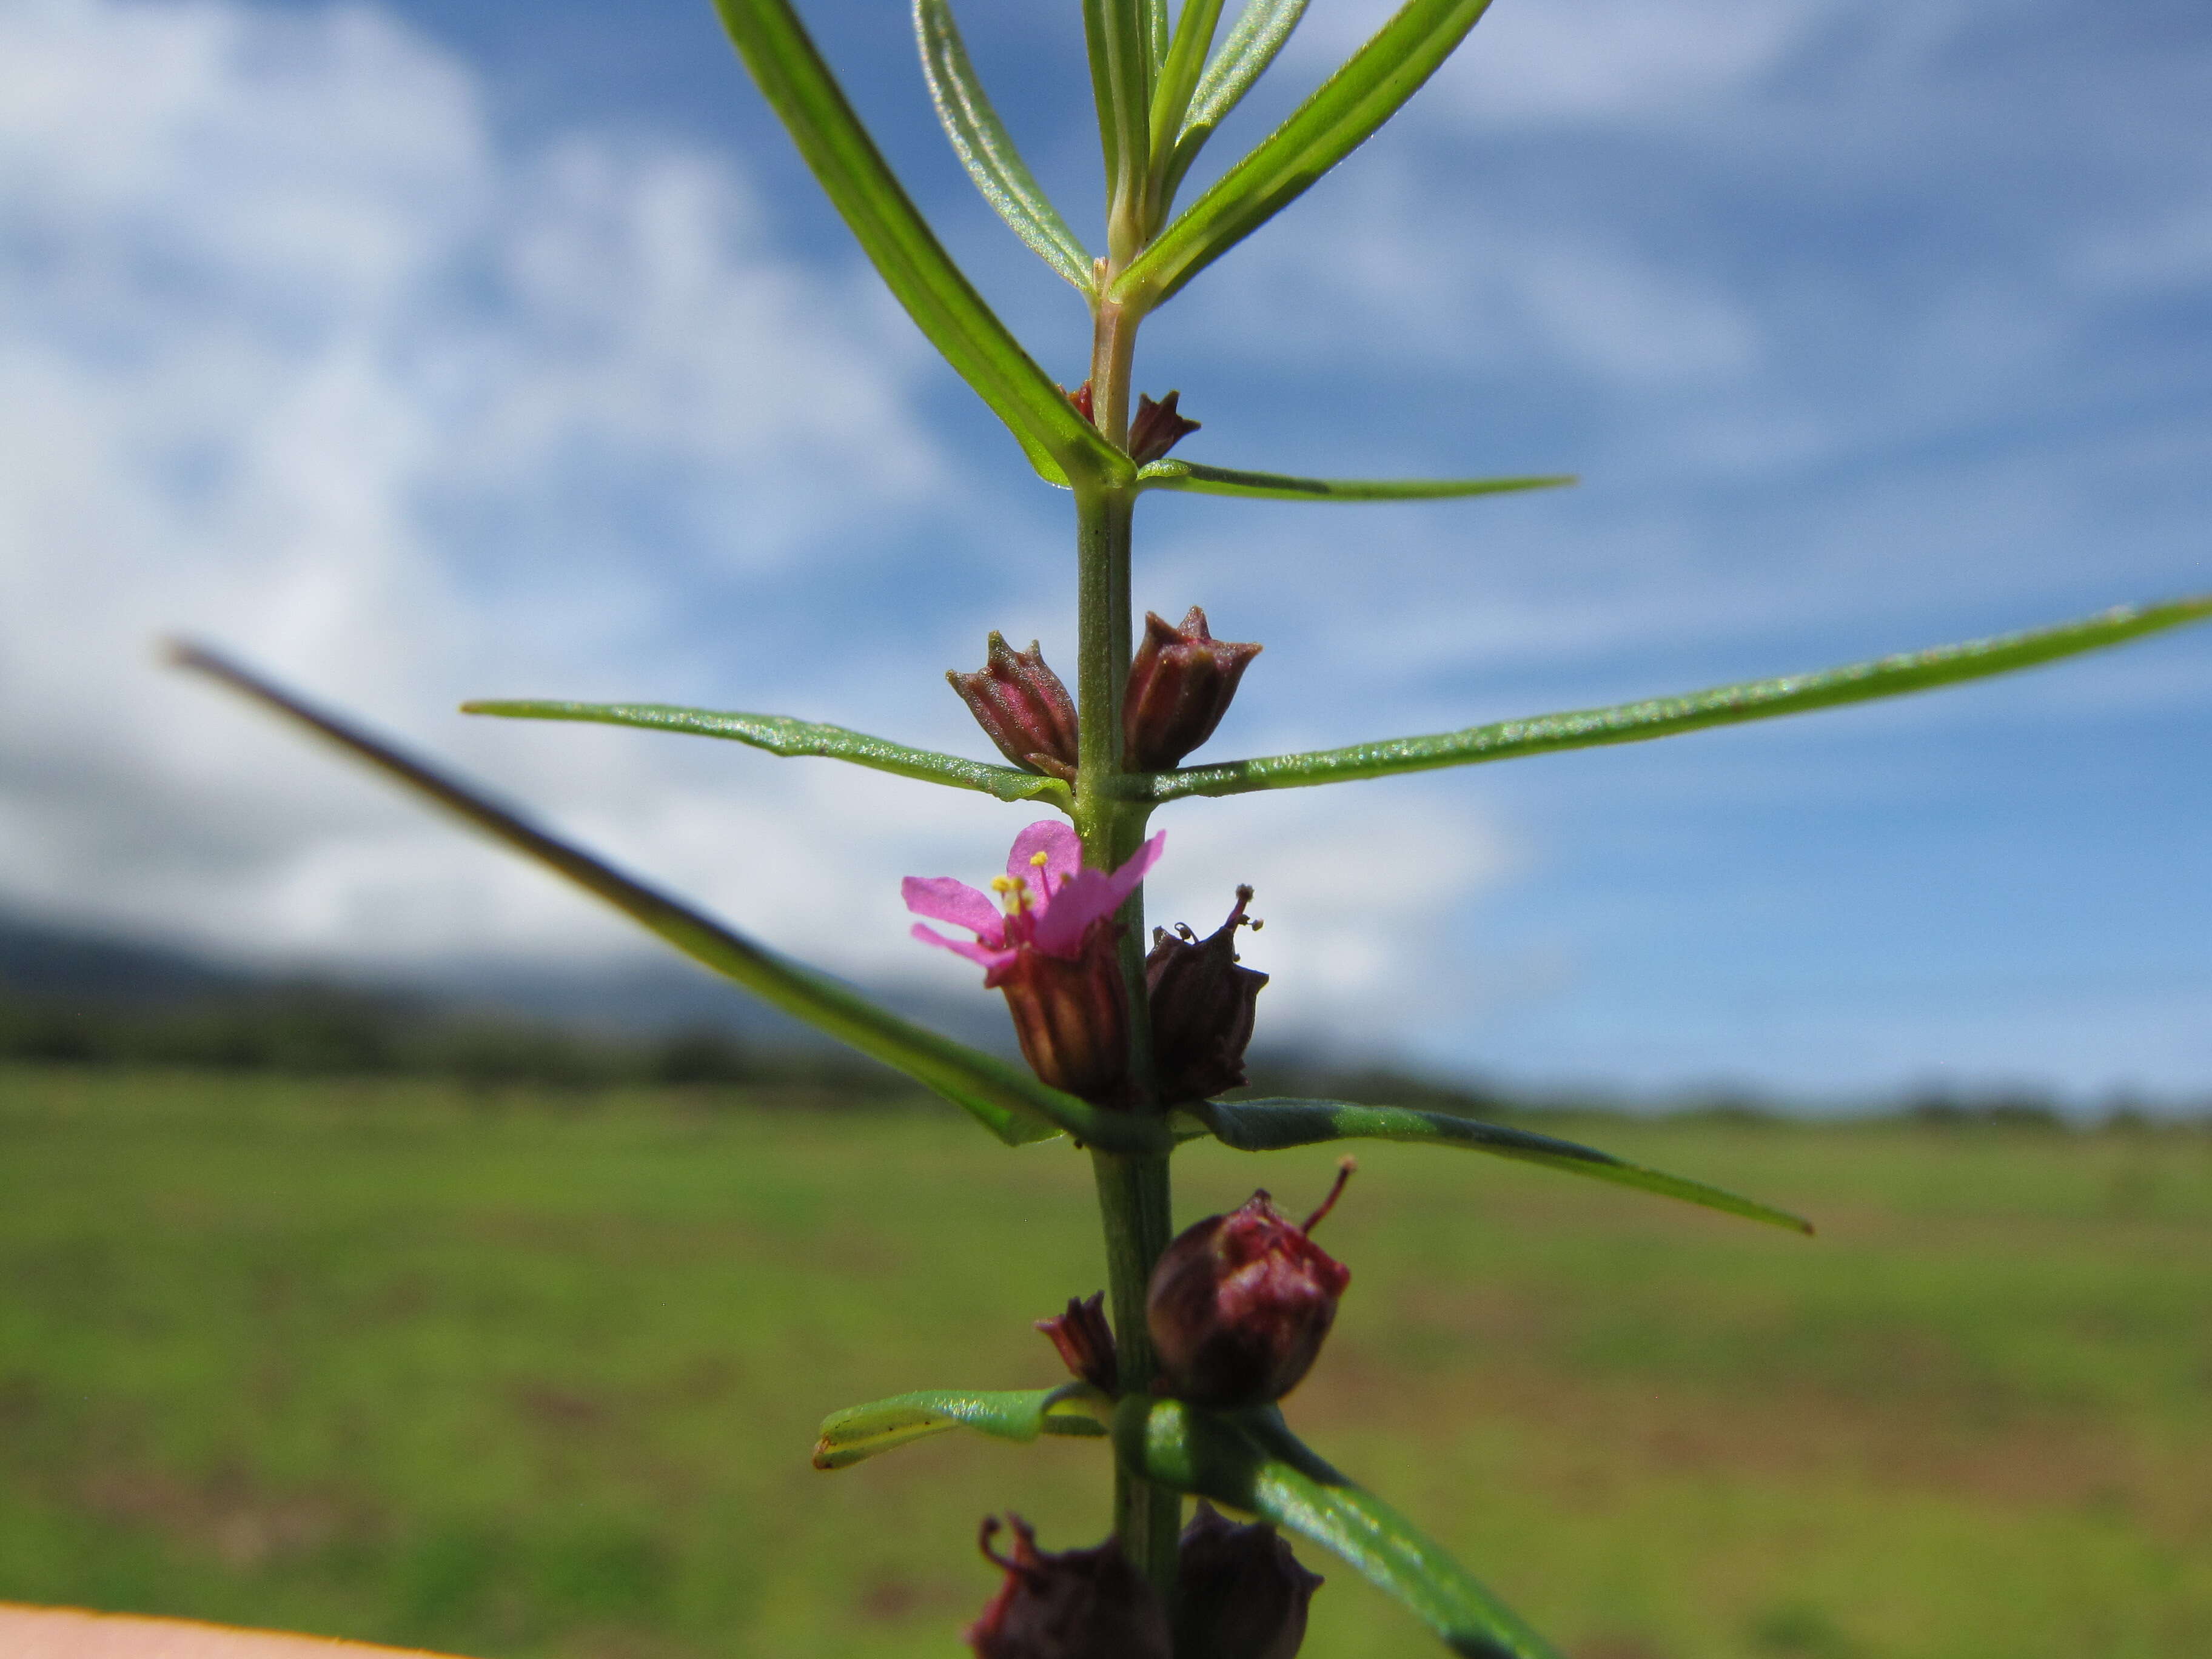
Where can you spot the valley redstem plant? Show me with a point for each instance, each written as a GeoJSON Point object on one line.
{"type": "Point", "coordinates": [1130, 1049]}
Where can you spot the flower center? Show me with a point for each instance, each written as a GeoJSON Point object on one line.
{"type": "Point", "coordinates": [1015, 891]}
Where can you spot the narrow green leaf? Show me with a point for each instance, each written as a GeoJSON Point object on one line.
{"type": "Point", "coordinates": [986, 148]}
{"type": "Point", "coordinates": [1192, 477]}
{"type": "Point", "coordinates": [854, 174]}
{"type": "Point", "coordinates": [1664, 717]}
{"type": "Point", "coordinates": [1254, 39]}
{"type": "Point", "coordinates": [1365, 92]}
{"type": "Point", "coordinates": [1156, 32]}
{"type": "Point", "coordinates": [1180, 69]}
{"type": "Point", "coordinates": [1269, 1126]}
{"type": "Point", "coordinates": [781, 735]}
{"type": "Point", "coordinates": [1250, 1460]}
{"type": "Point", "coordinates": [1009, 1102]}
{"type": "Point", "coordinates": [1117, 33]}
{"type": "Point", "coordinates": [859, 1432]}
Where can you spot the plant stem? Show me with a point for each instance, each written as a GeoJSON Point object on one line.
{"type": "Point", "coordinates": [1113, 351]}
{"type": "Point", "coordinates": [1133, 1191]}
{"type": "Point", "coordinates": [1133, 1201]}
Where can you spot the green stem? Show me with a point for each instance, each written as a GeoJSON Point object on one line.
{"type": "Point", "coordinates": [1134, 1202]}
{"type": "Point", "coordinates": [1133, 1190]}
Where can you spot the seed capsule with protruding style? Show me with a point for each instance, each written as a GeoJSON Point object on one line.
{"type": "Point", "coordinates": [1202, 1008]}
{"type": "Point", "coordinates": [1239, 1305]}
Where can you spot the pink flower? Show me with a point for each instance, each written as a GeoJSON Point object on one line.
{"type": "Point", "coordinates": [1050, 900]}
{"type": "Point", "coordinates": [1050, 942]}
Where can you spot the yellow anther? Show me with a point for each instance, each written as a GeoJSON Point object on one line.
{"type": "Point", "coordinates": [1038, 859]}
{"type": "Point", "coordinates": [1004, 884]}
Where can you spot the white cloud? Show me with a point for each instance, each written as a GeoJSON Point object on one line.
{"type": "Point", "coordinates": [1587, 60]}
{"type": "Point", "coordinates": [300, 356]}
{"type": "Point", "coordinates": [300, 348]}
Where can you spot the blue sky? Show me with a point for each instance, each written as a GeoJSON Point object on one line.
{"type": "Point", "coordinates": [421, 351]}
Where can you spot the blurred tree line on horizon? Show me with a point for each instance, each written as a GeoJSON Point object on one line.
{"type": "Point", "coordinates": [75, 999]}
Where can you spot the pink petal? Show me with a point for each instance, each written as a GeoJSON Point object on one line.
{"type": "Point", "coordinates": [1125, 879]}
{"type": "Point", "coordinates": [1089, 895]}
{"type": "Point", "coordinates": [982, 955]}
{"type": "Point", "coordinates": [943, 899]}
{"type": "Point", "coordinates": [1063, 856]}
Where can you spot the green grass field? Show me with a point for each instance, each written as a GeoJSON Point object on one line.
{"type": "Point", "coordinates": [513, 1376]}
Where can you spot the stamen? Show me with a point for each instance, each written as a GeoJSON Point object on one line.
{"type": "Point", "coordinates": [1236, 917]}
{"type": "Point", "coordinates": [1344, 1166]}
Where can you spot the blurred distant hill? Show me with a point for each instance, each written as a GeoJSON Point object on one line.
{"type": "Point", "coordinates": [41, 961]}
{"type": "Point", "coordinates": [78, 996]}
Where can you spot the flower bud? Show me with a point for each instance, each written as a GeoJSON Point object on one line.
{"type": "Point", "coordinates": [1077, 1604]}
{"type": "Point", "coordinates": [1085, 1342]}
{"type": "Point", "coordinates": [1239, 1305]}
{"type": "Point", "coordinates": [1202, 1007]}
{"type": "Point", "coordinates": [1022, 707]}
{"type": "Point", "coordinates": [1179, 686]}
{"type": "Point", "coordinates": [1240, 1594]}
{"type": "Point", "coordinates": [1070, 1015]}
{"type": "Point", "coordinates": [1159, 428]}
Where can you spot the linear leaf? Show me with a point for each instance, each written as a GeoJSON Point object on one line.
{"type": "Point", "coordinates": [1010, 1103]}
{"type": "Point", "coordinates": [860, 1432]}
{"type": "Point", "coordinates": [986, 148]}
{"type": "Point", "coordinates": [1268, 1126]}
{"type": "Point", "coordinates": [1180, 70]}
{"type": "Point", "coordinates": [1117, 34]}
{"type": "Point", "coordinates": [1254, 39]}
{"type": "Point", "coordinates": [1156, 31]}
{"type": "Point", "coordinates": [1664, 717]}
{"type": "Point", "coordinates": [1192, 477]}
{"type": "Point", "coordinates": [859, 183]}
{"type": "Point", "coordinates": [1343, 110]}
{"type": "Point", "coordinates": [781, 735]}
{"type": "Point", "coordinates": [1251, 1461]}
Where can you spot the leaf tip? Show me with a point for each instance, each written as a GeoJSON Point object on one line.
{"type": "Point", "coordinates": [176, 651]}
